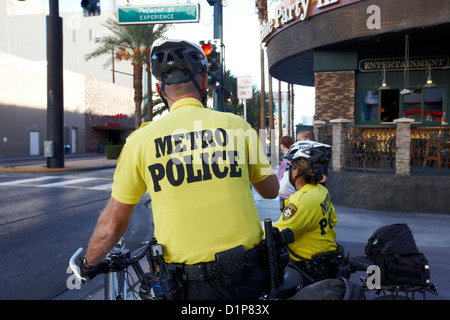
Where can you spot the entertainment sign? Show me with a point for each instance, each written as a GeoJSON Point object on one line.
{"type": "Point", "coordinates": [398, 64]}
{"type": "Point", "coordinates": [164, 13]}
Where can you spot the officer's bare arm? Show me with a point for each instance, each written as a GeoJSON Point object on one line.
{"type": "Point", "coordinates": [111, 225]}
{"type": "Point", "coordinates": [268, 188]}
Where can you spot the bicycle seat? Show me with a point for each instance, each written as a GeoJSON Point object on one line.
{"type": "Point", "coordinates": [288, 286]}
{"type": "Point", "coordinates": [360, 263]}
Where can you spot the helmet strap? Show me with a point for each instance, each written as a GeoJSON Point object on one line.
{"type": "Point", "coordinates": [161, 93]}
{"type": "Point", "coordinates": [292, 180]}
{"type": "Point", "coordinates": [303, 173]}
{"type": "Point", "coordinates": [202, 94]}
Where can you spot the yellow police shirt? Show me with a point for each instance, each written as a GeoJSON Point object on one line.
{"type": "Point", "coordinates": [197, 164]}
{"type": "Point", "coordinates": [311, 216]}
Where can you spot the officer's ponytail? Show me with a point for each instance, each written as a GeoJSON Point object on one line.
{"type": "Point", "coordinates": [311, 173]}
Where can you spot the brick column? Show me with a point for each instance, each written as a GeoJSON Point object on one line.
{"type": "Point", "coordinates": [403, 146]}
{"type": "Point", "coordinates": [317, 124]}
{"type": "Point", "coordinates": [339, 145]}
{"type": "Point", "coordinates": [335, 95]}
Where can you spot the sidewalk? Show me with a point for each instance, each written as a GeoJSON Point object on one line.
{"type": "Point", "coordinates": [72, 162]}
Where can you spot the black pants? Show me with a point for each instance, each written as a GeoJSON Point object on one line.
{"type": "Point", "coordinates": [250, 287]}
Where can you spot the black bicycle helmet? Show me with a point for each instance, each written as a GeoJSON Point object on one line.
{"type": "Point", "coordinates": [181, 54]}
{"type": "Point", "coordinates": [178, 54]}
{"type": "Point", "coordinates": [312, 151]}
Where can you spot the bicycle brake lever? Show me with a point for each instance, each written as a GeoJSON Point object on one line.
{"type": "Point", "coordinates": [76, 269]}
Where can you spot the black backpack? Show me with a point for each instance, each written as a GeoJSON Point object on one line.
{"type": "Point", "coordinates": [394, 250]}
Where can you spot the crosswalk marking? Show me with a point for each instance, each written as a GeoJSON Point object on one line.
{"type": "Point", "coordinates": [101, 187]}
{"type": "Point", "coordinates": [10, 183]}
{"type": "Point", "coordinates": [65, 183]}
{"type": "Point", "coordinates": [62, 181]}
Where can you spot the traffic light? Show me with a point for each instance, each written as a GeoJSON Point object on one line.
{"type": "Point", "coordinates": [213, 54]}
{"type": "Point", "coordinates": [90, 7]}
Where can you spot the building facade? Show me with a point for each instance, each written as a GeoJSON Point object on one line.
{"type": "Point", "coordinates": [96, 110]}
{"type": "Point", "coordinates": [346, 48]}
{"type": "Point", "coordinates": [381, 72]}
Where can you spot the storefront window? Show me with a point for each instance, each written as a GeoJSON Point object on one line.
{"type": "Point", "coordinates": [370, 109]}
{"type": "Point", "coordinates": [412, 105]}
{"type": "Point", "coordinates": [424, 105]}
{"type": "Point", "coordinates": [432, 104]}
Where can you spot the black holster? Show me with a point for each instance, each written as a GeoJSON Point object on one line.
{"type": "Point", "coordinates": [231, 265]}
{"type": "Point", "coordinates": [326, 265]}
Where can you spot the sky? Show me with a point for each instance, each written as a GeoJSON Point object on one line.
{"type": "Point", "coordinates": [240, 36]}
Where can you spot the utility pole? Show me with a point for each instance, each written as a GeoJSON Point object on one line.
{"type": "Point", "coordinates": [218, 34]}
{"type": "Point", "coordinates": [55, 87]}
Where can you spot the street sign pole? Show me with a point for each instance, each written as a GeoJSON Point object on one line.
{"type": "Point", "coordinates": [244, 91]}
{"type": "Point", "coordinates": [245, 109]}
{"type": "Point", "coordinates": [218, 34]}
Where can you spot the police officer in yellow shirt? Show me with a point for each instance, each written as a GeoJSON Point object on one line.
{"type": "Point", "coordinates": [197, 164]}
{"type": "Point", "coordinates": [310, 213]}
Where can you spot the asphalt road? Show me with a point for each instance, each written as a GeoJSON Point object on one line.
{"type": "Point", "coordinates": [42, 225]}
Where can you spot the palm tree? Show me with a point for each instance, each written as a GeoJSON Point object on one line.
{"type": "Point", "coordinates": [230, 90]}
{"type": "Point", "coordinates": [231, 100]}
{"type": "Point", "coordinates": [133, 43]}
{"type": "Point", "coordinates": [156, 104]}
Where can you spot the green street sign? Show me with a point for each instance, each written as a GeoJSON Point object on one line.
{"type": "Point", "coordinates": [164, 13]}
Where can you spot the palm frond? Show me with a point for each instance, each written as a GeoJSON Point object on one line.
{"type": "Point", "coordinates": [130, 42]}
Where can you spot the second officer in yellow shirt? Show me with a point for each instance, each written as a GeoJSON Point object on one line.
{"type": "Point", "coordinates": [310, 213]}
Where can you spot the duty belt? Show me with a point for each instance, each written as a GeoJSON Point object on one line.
{"type": "Point", "coordinates": [206, 270]}
{"type": "Point", "coordinates": [200, 271]}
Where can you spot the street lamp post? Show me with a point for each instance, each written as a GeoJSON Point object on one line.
{"type": "Point", "coordinates": [55, 87]}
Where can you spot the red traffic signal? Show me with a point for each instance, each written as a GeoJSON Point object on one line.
{"type": "Point", "coordinates": [212, 51]}
{"type": "Point", "coordinates": [207, 48]}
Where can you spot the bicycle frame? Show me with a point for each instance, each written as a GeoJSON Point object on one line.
{"type": "Point", "coordinates": [115, 285]}
{"type": "Point", "coordinates": [115, 281]}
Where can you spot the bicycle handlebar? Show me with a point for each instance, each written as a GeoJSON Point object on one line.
{"type": "Point", "coordinates": [115, 260]}
{"type": "Point", "coordinates": [75, 268]}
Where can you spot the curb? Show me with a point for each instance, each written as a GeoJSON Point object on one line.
{"type": "Point", "coordinates": [56, 169]}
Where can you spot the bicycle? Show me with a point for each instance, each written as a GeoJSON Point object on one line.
{"type": "Point", "coordinates": [118, 279]}
{"type": "Point", "coordinates": [296, 278]}
{"type": "Point", "coordinates": [389, 291]}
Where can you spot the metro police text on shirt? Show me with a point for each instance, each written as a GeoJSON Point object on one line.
{"type": "Point", "coordinates": [200, 155]}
